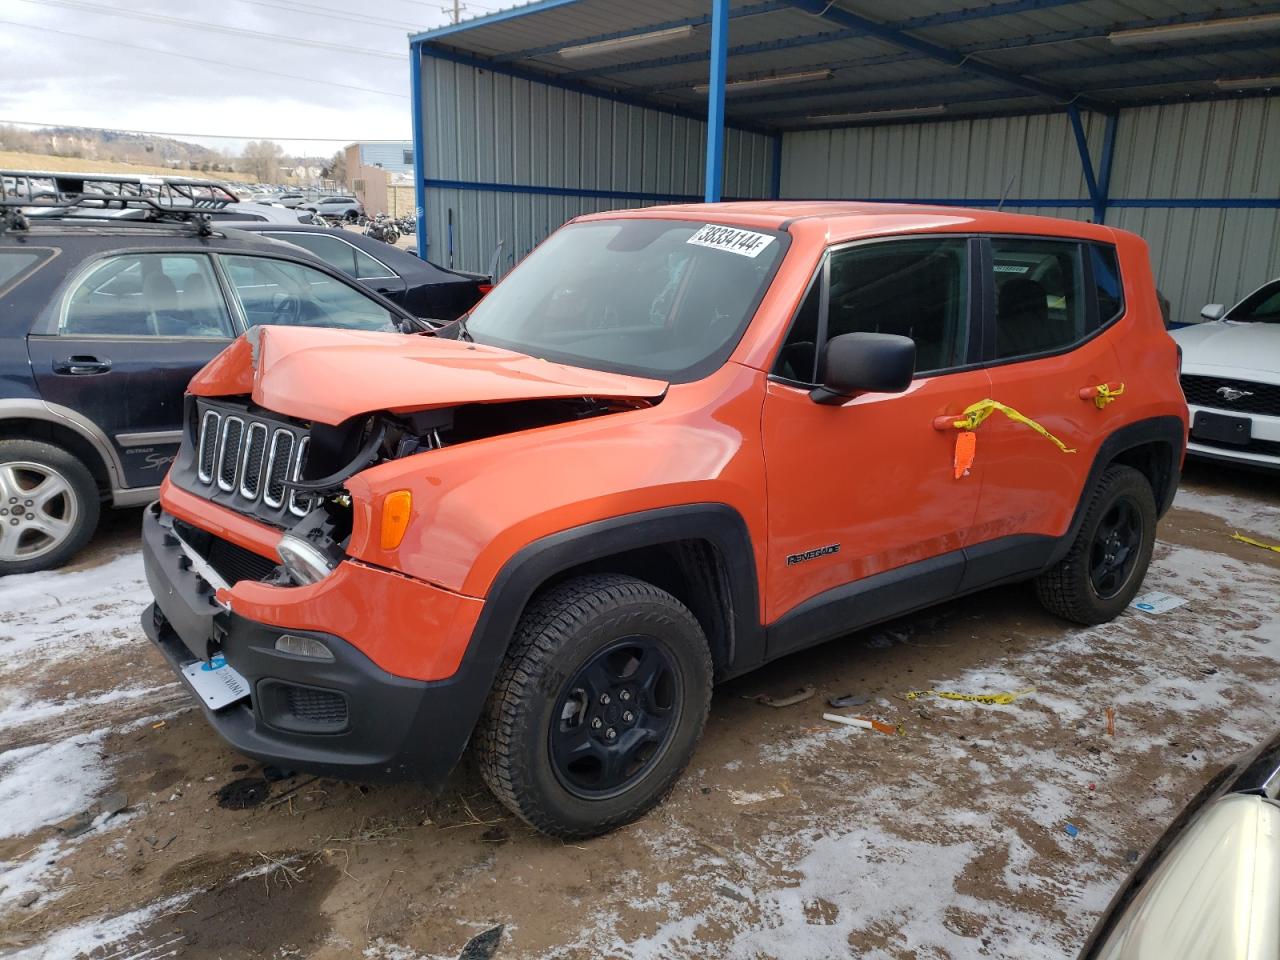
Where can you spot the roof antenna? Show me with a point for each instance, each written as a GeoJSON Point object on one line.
{"type": "Point", "coordinates": [1005, 196]}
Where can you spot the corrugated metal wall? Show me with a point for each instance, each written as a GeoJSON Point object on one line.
{"type": "Point", "coordinates": [485, 128]}
{"type": "Point", "coordinates": [1203, 151]}
{"type": "Point", "coordinates": [388, 156]}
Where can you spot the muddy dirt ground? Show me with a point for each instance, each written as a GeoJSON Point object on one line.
{"type": "Point", "coordinates": [127, 830]}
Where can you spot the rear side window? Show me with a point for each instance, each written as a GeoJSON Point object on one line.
{"type": "Point", "coordinates": [14, 263]}
{"type": "Point", "coordinates": [148, 295]}
{"type": "Point", "coordinates": [337, 253]}
{"type": "Point", "coordinates": [1040, 299]}
{"type": "Point", "coordinates": [1106, 281]}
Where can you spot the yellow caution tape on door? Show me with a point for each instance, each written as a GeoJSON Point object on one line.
{"type": "Point", "coordinates": [1255, 543]}
{"type": "Point", "coordinates": [1003, 698]}
{"type": "Point", "coordinates": [1103, 394]}
{"type": "Point", "coordinates": [976, 413]}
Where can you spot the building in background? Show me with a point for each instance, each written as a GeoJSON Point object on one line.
{"type": "Point", "coordinates": [373, 167]}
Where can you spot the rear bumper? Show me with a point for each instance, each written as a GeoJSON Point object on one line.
{"type": "Point", "coordinates": [347, 717]}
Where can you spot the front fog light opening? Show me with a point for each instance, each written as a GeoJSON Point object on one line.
{"type": "Point", "coordinates": [302, 562]}
{"type": "Point", "coordinates": [303, 647]}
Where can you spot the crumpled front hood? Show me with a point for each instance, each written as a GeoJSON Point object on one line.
{"type": "Point", "coordinates": [1244, 347]}
{"type": "Point", "coordinates": [330, 375]}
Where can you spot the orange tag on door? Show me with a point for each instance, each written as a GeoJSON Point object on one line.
{"type": "Point", "coordinates": [966, 449]}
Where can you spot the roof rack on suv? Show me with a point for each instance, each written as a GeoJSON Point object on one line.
{"type": "Point", "coordinates": [180, 199]}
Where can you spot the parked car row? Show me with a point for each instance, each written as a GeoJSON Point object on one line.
{"type": "Point", "coordinates": [104, 318]}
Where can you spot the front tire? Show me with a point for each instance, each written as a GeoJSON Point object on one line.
{"type": "Point", "coordinates": [598, 706]}
{"type": "Point", "coordinates": [1108, 560]}
{"type": "Point", "coordinates": [48, 506]}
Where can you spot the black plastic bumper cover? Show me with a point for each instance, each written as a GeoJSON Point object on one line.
{"type": "Point", "coordinates": [395, 728]}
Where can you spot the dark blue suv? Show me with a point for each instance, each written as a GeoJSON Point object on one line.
{"type": "Point", "coordinates": [103, 321]}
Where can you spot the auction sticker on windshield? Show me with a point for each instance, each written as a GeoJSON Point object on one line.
{"type": "Point", "coordinates": [745, 243]}
{"type": "Point", "coordinates": [216, 682]}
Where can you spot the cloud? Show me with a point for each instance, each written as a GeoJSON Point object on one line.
{"type": "Point", "coordinates": [63, 63]}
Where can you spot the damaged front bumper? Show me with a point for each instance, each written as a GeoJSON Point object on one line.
{"type": "Point", "coordinates": [346, 716]}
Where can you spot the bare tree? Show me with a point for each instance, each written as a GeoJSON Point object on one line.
{"type": "Point", "coordinates": [261, 158]}
{"type": "Point", "coordinates": [336, 169]}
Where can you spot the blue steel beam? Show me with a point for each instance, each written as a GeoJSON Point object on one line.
{"type": "Point", "coordinates": [830, 36]}
{"type": "Point", "coordinates": [826, 11]}
{"type": "Point", "coordinates": [1104, 168]}
{"type": "Point", "coordinates": [775, 170]}
{"type": "Point", "coordinates": [1086, 161]}
{"type": "Point", "coordinates": [715, 100]}
{"type": "Point", "coordinates": [419, 148]}
{"type": "Point", "coordinates": [751, 10]}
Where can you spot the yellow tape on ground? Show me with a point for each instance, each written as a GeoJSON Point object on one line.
{"type": "Point", "coordinates": [1006, 697]}
{"type": "Point", "coordinates": [976, 413]}
{"type": "Point", "coordinates": [1105, 395]}
{"type": "Point", "coordinates": [1255, 543]}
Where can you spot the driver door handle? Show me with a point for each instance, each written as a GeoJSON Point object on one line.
{"type": "Point", "coordinates": [81, 366]}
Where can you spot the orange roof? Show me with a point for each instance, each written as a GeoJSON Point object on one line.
{"type": "Point", "coordinates": [854, 219]}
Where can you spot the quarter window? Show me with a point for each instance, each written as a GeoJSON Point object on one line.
{"type": "Point", "coordinates": [148, 295]}
{"type": "Point", "coordinates": [1106, 282]}
{"type": "Point", "coordinates": [291, 294]}
{"type": "Point", "coordinates": [15, 262]}
{"type": "Point", "coordinates": [337, 253]}
{"type": "Point", "coordinates": [1040, 303]}
{"type": "Point", "coordinates": [915, 288]}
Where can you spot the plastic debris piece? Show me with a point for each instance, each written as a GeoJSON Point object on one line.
{"type": "Point", "coordinates": [483, 945]}
{"type": "Point", "coordinates": [865, 723]}
{"type": "Point", "coordinates": [848, 700]}
{"type": "Point", "coordinates": [1111, 721]}
{"type": "Point", "coordinates": [1004, 698]}
{"type": "Point", "coordinates": [732, 894]}
{"type": "Point", "coordinates": [1072, 830]}
{"type": "Point", "coordinates": [1256, 543]}
{"type": "Point", "coordinates": [744, 797]}
{"type": "Point", "coordinates": [800, 696]}
{"type": "Point", "coordinates": [113, 803]}
{"type": "Point", "coordinates": [1157, 602]}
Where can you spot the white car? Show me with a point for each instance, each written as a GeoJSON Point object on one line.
{"type": "Point", "coordinates": [1231, 378]}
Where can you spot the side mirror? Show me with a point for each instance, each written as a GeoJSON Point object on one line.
{"type": "Point", "coordinates": [1213, 311]}
{"type": "Point", "coordinates": [865, 363]}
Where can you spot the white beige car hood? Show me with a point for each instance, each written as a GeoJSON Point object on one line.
{"type": "Point", "coordinates": [1247, 351]}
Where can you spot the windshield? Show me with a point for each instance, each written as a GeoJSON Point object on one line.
{"type": "Point", "coordinates": [667, 299]}
{"type": "Point", "coordinates": [1261, 306]}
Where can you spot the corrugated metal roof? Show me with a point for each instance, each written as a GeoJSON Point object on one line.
{"type": "Point", "coordinates": [1001, 57]}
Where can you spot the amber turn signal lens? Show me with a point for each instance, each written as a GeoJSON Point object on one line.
{"type": "Point", "coordinates": [396, 507]}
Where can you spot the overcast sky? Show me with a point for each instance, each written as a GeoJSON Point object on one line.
{"type": "Point", "coordinates": [65, 62]}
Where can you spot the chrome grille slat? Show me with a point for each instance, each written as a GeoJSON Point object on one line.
{"type": "Point", "coordinates": [229, 452]}
{"type": "Point", "coordinates": [255, 448]}
{"type": "Point", "coordinates": [300, 503]}
{"type": "Point", "coordinates": [207, 447]}
{"type": "Point", "coordinates": [279, 459]}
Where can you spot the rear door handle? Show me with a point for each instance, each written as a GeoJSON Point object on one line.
{"type": "Point", "coordinates": [81, 366]}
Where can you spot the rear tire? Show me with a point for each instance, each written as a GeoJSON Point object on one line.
{"type": "Point", "coordinates": [1108, 560]}
{"type": "Point", "coordinates": [49, 506]}
{"type": "Point", "coordinates": [598, 705]}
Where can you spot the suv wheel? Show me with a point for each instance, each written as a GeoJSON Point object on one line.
{"type": "Point", "coordinates": [48, 506]}
{"type": "Point", "coordinates": [598, 706]}
{"type": "Point", "coordinates": [1108, 560]}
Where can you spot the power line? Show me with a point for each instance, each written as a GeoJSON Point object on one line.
{"type": "Point", "coordinates": [217, 28]}
{"type": "Point", "coordinates": [216, 63]}
{"type": "Point", "coordinates": [198, 136]}
{"type": "Point", "coordinates": [312, 10]}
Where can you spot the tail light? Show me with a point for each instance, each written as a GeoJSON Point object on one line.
{"type": "Point", "coordinates": [484, 288]}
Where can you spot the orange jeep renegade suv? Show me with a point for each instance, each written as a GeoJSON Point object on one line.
{"type": "Point", "coordinates": [674, 444]}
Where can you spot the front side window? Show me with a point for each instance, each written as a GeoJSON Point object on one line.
{"type": "Point", "coordinates": [337, 253]}
{"type": "Point", "coordinates": [917, 288]}
{"type": "Point", "coordinates": [148, 295]}
{"type": "Point", "coordinates": [291, 294]}
{"type": "Point", "coordinates": [1040, 301]}
{"type": "Point", "coordinates": [1261, 306]}
{"type": "Point", "coordinates": [660, 298]}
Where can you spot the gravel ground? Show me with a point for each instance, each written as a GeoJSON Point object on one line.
{"type": "Point", "coordinates": [127, 830]}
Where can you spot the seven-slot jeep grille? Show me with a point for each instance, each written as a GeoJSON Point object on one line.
{"type": "Point", "coordinates": [247, 460]}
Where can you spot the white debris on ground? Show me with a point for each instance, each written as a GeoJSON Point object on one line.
{"type": "Point", "coordinates": [889, 867]}
{"type": "Point", "coordinates": [1246, 515]}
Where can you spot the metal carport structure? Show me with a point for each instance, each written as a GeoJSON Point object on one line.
{"type": "Point", "coordinates": [1161, 117]}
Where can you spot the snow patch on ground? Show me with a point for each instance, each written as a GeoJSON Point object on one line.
{"type": "Point", "coordinates": [84, 938]}
{"type": "Point", "coordinates": [46, 783]}
{"type": "Point", "coordinates": [58, 615]}
{"type": "Point", "coordinates": [1246, 515]}
{"type": "Point", "coordinates": [18, 711]}
{"type": "Point", "coordinates": [19, 878]}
